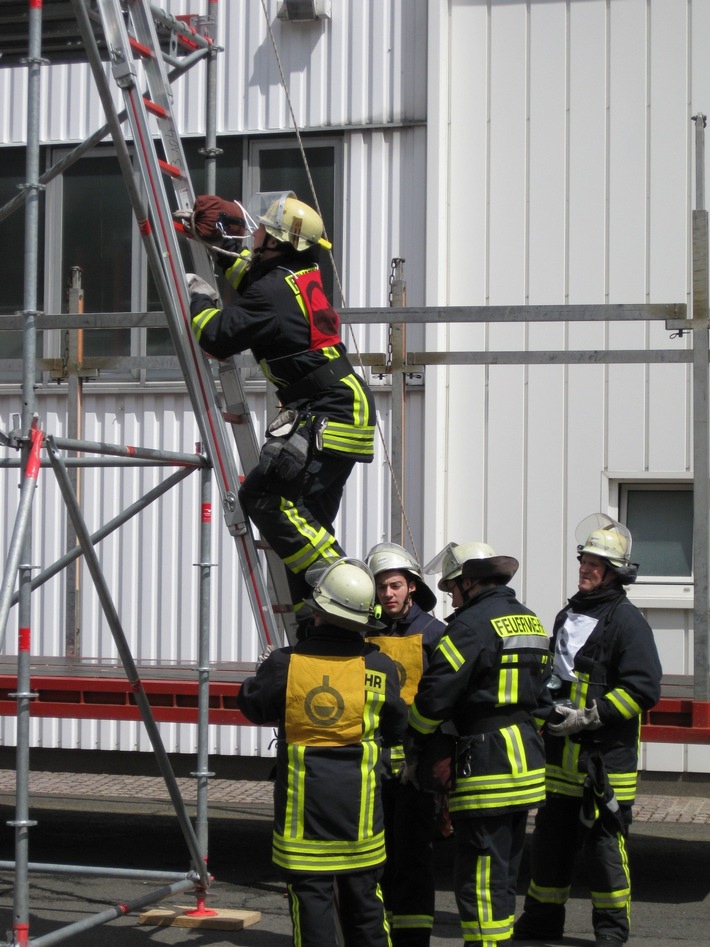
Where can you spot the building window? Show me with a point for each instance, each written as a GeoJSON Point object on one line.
{"type": "Point", "coordinates": [96, 223]}
{"type": "Point", "coordinates": [89, 224]}
{"type": "Point", "coordinates": [660, 519]}
{"type": "Point", "coordinates": [12, 266]}
{"type": "Point", "coordinates": [276, 168]}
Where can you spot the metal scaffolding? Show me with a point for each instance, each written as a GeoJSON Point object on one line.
{"type": "Point", "coordinates": [29, 440]}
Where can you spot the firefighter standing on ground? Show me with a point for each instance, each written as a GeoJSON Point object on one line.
{"type": "Point", "coordinates": [409, 637]}
{"type": "Point", "coordinates": [606, 668]}
{"type": "Point", "coordinates": [282, 314]}
{"type": "Point", "coordinates": [336, 700]}
{"type": "Point", "coordinates": [488, 676]}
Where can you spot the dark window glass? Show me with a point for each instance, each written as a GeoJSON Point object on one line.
{"type": "Point", "coordinates": [96, 236]}
{"type": "Point", "coordinates": [12, 259]}
{"type": "Point", "coordinates": [661, 526]}
{"type": "Point", "coordinates": [281, 169]}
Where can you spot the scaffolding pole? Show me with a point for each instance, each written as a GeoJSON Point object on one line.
{"type": "Point", "coordinates": [28, 437]}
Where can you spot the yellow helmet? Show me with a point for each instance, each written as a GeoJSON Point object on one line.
{"type": "Point", "coordinates": [291, 221]}
{"type": "Point", "coordinates": [600, 535]}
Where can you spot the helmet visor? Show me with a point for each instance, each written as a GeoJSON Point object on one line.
{"type": "Point", "coordinates": [605, 537]}
{"type": "Point", "coordinates": [447, 554]}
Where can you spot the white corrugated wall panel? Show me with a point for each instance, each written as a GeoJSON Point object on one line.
{"type": "Point", "coordinates": [553, 134]}
{"type": "Point", "coordinates": [365, 65]}
{"type": "Point", "coordinates": [566, 132]}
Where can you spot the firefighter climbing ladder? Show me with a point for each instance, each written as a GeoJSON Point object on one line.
{"type": "Point", "coordinates": [131, 39]}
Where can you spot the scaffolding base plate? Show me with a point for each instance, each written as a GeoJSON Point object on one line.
{"type": "Point", "coordinates": [225, 919]}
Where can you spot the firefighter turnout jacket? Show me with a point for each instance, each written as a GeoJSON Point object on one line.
{"type": "Point", "coordinates": [335, 699]}
{"type": "Point", "coordinates": [489, 675]}
{"type": "Point", "coordinates": [408, 882]}
{"type": "Point", "coordinates": [282, 314]}
{"type": "Point", "coordinates": [605, 652]}
{"type": "Point", "coordinates": [410, 641]}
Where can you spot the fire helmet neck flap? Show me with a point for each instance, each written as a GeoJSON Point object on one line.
{"type": "Point", "coordinates": [344, 592]}
{"type": "Point", "coordinates": [390, 557]}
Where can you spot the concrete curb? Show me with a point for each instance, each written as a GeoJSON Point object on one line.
{"type": "Point", "coordinates": [226, 794]}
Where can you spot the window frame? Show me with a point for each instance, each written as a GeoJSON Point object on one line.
{"type": "Point", "coordinates": [251, 148]}
{"type": "Point", "coordinates": [252, 178]}
{"type": "Point", "coordinates": [651, 591]}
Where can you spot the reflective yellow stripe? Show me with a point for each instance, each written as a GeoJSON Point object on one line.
{"type": "Point", "coordinates": [515, 748]}
{"type": "Point", "coordinates": [374, 699]}
{"type": "Point", "coordinates": [624, 785]}
{"type": "Point", "coordinates": [361, 410]}
{"type": "Point", "coordinates": [565, 782]}
{"type": "Point", "coordinates": [295, 906]}
{"type": "Point", "coordinates": [451, 653]}
{"type": "Point", "coordinates": [318, 855]}
{"type": "Point", "coordinates": [508, 682]}
{"type": "Point", "coordinates": [421, 723]}
{"type": "Point", "coordinates": [293, 818]}
{"type": "Point", "coordinates": [201, 319]}
{"type": "Point", "coordinates": [620, 899]}
{"type": "Point", "coordinates": [624, 703]}
{"type": "Point", "coordinates": [487, 930]}
{"type": "Point", "coordinates": [549, 895]}
{"type": "Point", "coordinates": [349, 439]}
{"type": "Point", "coordinates": [291, 281]}
{"type": "Point", "coordinates": [492, 792]}
{"type": "Point", "coordinates": [318, 541]}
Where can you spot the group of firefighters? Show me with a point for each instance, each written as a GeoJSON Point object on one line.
{"type": "Point", "coordinates": [391, 722]}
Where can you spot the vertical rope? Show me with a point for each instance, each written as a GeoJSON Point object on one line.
{"type": "Point", "coordinates": [304, 157]}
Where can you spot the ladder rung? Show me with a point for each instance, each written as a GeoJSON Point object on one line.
{"type": "Point", "coordinates": [170, 169]}
{"type": "Point", "coordinates": [154, 108]}
{"type": "Point", "coordinates": [140, 48]}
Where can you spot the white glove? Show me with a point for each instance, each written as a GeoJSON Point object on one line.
{"type": "Point", "coordinates": [196, 286]}
{"type": "Point", "coordinates": [264, 655]}
{"type": "Point", "coordinates": [575, 720]}
{"type": "Point", "coordinates": [408, 772]}
{"type": "Point", "coordinates": [187, 219]}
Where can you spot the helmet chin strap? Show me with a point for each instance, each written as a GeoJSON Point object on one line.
{"type": "Point", "coordinates": [404, 609]}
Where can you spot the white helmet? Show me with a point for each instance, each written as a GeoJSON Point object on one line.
{"type": "Point", "coordinates": [600, 535]}
{"type": "Point", "coordinates": [451, 559]}
{"type": "Point", "coordinates": [389, 557]}
{"type": "Point", "coordinates": [344, 591]}
{"type": "Point", "coordinates": [291, 221]}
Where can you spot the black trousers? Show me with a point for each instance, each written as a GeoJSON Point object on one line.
{"type": "Point", "coordinates": [408, 880]}
{"type": "Point", "coordinates": [295, 517]}
{"type": "Point", "coordinates": [557, 838]}
{"type": "Point", "coordinates": [312, 903]}
{"type": "Point", "coordinates": [488, 853]}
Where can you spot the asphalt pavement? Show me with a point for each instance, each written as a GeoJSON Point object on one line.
{"type": "Point", "coordinates": [126, 823]}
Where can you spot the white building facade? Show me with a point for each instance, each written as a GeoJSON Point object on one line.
{"type": "Point", "coordinates": [513, 153]}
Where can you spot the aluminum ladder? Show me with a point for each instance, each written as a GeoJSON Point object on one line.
{"type": "Point", "coordinates": [135, 56]}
